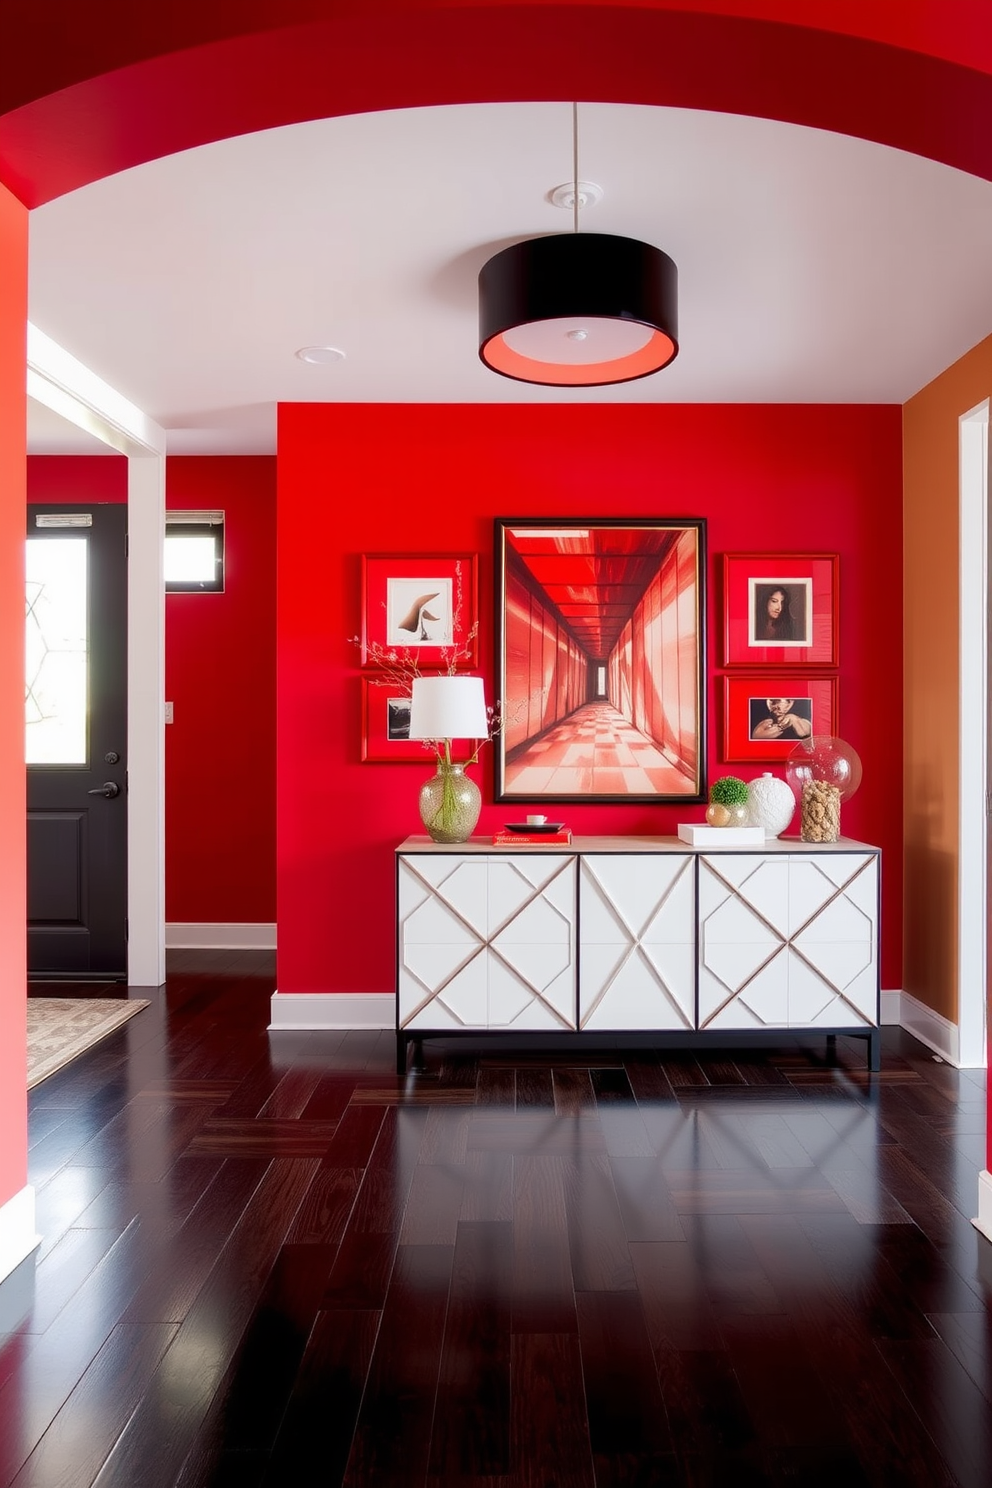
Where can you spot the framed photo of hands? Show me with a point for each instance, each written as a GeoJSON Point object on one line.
{"type": "Point", "coordinates": [764, 717]}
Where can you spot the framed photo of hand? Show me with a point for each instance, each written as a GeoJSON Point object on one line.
{"type": "Point", "coordinates": [764, 717]}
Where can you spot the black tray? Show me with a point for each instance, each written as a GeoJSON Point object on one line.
{"type": "Point", "coordinates": [534, 826]}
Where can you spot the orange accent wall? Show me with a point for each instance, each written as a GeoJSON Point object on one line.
{"type": "Point", "coordinates": [356, 479]}
{"type": "Point", "coordinates": [13, 420]}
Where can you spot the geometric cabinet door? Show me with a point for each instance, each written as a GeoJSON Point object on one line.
{"type": "Point", "coordinates": [486, 942]}
{"type": "Point", "coordinates": [637, 942]}
{"type": "Point", "coordinates": [788, 940]}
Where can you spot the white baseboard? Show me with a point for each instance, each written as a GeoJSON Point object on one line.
{"type": "Point", "coordinates": [932, 1029]}
{"type": "Point", "coordinates": [343, 1010]}
{"type": "Point", "coordinates": [18, 1236]}
{"type": "Point", "coordinates": [984, 1221]}
{"type": "Point", "coordinates": [179, 936]}
{"type": "Point", "coordinates": [890, 1008]}
{"type": "Point", "coordinates": [340, 1010]}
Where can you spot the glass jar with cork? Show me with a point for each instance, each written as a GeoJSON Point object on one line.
{"type": "Point", "coordinates": [822, 772]}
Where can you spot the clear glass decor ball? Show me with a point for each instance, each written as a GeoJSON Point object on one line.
{"type": "Point", "coordinates": [829, 760]}
{"type": "Point", "coordinates": [770, 804]}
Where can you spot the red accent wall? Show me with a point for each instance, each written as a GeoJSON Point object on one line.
{"type": "Point", "coordinates": [220, 677]}
{"type": "Point", "coordinates": [77, 479]}
{"type": "Point", "coordinates": [13, 421]}
{"type": "Point", "coordinates": [416, 478]}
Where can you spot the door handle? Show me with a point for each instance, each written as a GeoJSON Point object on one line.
{"type": "Point", "coordinates": [108, 789]}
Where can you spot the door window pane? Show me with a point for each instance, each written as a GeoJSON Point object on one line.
{"type": "Point", "coordinates": [57, 651]}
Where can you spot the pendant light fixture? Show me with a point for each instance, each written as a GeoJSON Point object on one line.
{"type": "Point", "coordinates": [578, 309]}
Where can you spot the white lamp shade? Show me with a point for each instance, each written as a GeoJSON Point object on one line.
{"type": "Point", "coordinates": [448, 708]}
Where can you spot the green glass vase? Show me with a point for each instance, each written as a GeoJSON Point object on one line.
{"type": "Point", "coordinates": [450, 804]}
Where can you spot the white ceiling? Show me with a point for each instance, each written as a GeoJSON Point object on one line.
{"type": "Point", "coordinates": [51, 434]}
{"type": "Point", "coordinates": [812, 267]}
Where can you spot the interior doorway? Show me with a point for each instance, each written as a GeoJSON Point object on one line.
{"type": "Point", "coordinates": [76, 741]}
{"type": "Point", "coordinates": [64, 386]}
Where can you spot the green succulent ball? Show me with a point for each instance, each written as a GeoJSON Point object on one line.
{"type": "Point", "coordinates": [729, 791]}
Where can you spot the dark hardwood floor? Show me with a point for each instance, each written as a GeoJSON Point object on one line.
{"type": "Point", "coordinates": [268, 1261]}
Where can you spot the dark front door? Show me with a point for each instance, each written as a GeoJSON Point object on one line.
{"type": "Point", "coordinates": [76, 740]}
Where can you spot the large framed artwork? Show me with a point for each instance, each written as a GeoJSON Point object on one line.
{"type": "Point", "coordinates": [421, 606]}
{"type": "Point", "coordinates": [759, 728]}
{"type": "Point", "coordinates": [599, 659]}
{"type": "Point", "coordinates": [780, 609]}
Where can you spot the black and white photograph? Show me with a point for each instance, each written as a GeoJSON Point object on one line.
{"type": "Point", "coordinates": [780, 718]}
{"type": "Point", "coordinates": [779, 611]}
{"type": "Point", "coordinates": [397, 718]}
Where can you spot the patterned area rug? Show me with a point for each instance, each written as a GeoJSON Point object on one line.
{"type": "Point", "coordinates": [62, 1028]}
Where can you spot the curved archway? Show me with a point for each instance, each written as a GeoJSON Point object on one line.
{"type": "Point", "coordinates": [83, 102]}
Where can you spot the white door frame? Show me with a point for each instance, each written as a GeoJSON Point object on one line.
{"type": "Point", "coordinates": [973, 813]}
{"type": "Point", "coordinates": [65, 385]}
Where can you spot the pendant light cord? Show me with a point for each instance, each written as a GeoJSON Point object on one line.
{"type": "Point", "coordinates": [575, 167]}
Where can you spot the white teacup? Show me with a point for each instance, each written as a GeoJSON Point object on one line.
{"type": "Point", "coordinates": [536, 820]}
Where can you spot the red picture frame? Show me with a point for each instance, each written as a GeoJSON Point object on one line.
{"type": "Point", "coordinates": [422, 607]}
{"type": "Point", "coordinates": [748, 724]}
{"type": "Point", "coordinates": [382, 738]}
{"type": "Point", "coordinates": [793, 593]}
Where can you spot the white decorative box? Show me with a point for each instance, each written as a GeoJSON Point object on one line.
{"type": "Point", "coordinates": [706, 836]}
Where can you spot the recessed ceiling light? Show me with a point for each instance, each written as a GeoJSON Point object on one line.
{"type": "Point", "coordinates": [320, 356]}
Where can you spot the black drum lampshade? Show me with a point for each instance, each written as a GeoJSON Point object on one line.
{"type": "Point", "coordinates": [578, 310]}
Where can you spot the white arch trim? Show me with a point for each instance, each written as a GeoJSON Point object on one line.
{"type": "Point", "coordinates": [56, 379]}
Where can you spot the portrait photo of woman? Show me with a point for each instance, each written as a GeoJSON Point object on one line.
{"type": "Point", "coordinates": [779, 612]}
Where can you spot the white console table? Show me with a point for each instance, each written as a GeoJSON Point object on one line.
{"type": "Point", "coordinates": [629, 940]}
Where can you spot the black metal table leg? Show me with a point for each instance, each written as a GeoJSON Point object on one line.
{"type": "Point", "coordinates": [875, 1049]}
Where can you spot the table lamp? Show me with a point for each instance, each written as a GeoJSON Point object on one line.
{"type": "Point", "coordinates": [444, 708]}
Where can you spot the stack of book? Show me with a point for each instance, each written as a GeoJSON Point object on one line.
{"type": "Point", "coordinates": [533, 839]}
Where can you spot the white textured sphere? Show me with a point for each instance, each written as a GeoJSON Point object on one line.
{"type": "Point", "coordinates": [770, 804]}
